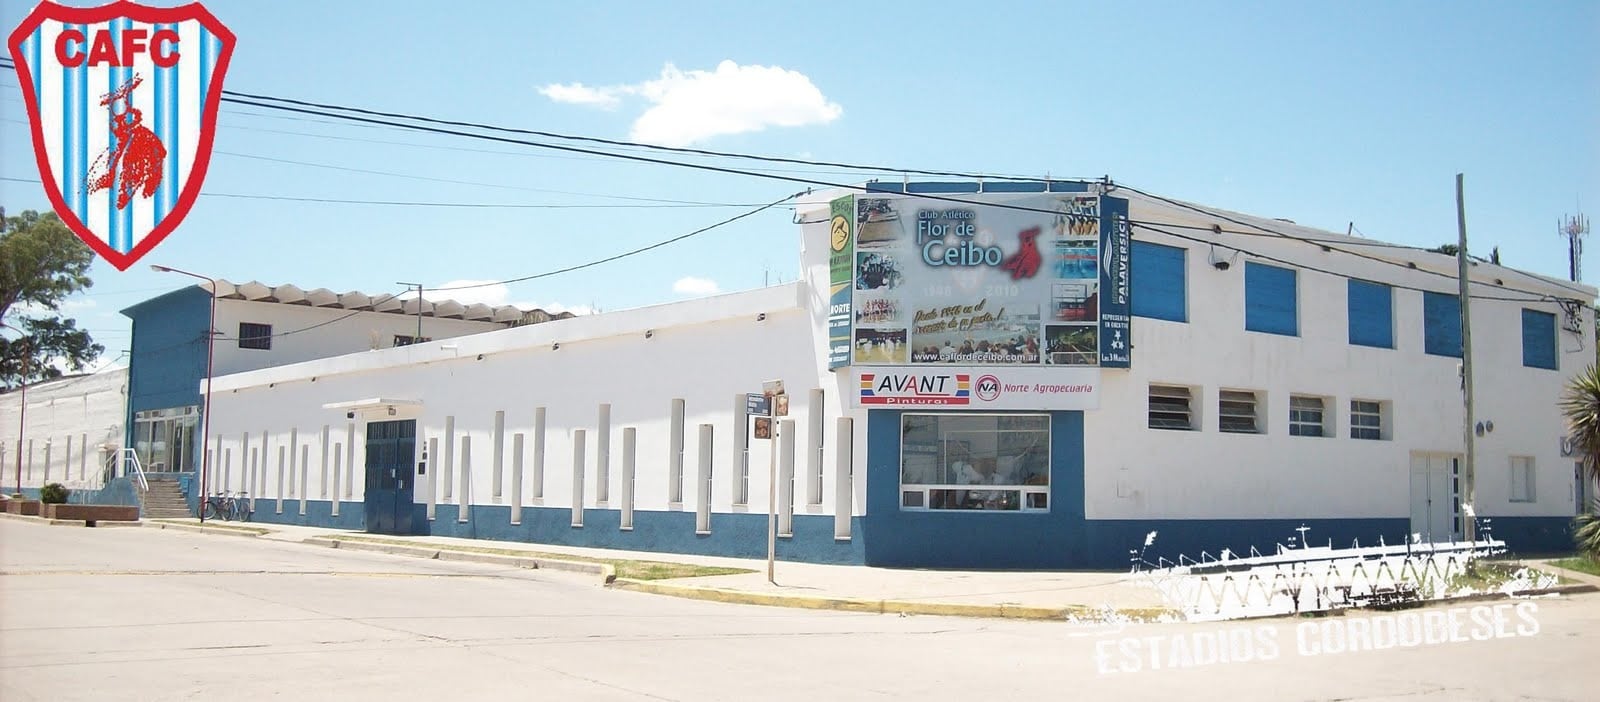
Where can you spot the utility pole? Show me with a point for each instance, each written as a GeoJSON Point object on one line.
{"type": "Point", "coordinates": [418, 338]}
{"type": "Point", "coordinates": [1468, 473]}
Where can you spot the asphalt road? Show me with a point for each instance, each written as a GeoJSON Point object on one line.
{"type": "Point", "coordinates": [145, 614]}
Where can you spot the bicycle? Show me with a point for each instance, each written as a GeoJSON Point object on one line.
{"type": "Point", "coordinates": [227, 506]}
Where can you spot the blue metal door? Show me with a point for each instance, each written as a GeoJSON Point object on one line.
{"type": "Point", "coordinates": [391, 447]}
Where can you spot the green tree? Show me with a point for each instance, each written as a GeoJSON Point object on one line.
{"type": "Point", "coordinates": [41, 264]}
{"type": "Point", "coordinates": [1580, 404]}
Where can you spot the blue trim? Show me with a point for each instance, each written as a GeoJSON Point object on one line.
{"type": "Point", "coordinates": [1371, 311]}
{"type": "Point", "coordinates": [1526, 536]}
{"type": "Point", "coordinates": [1539, 340]}
{"type": "Point", "coordinates": [1160, 286]}
{"type": "Point", "coordinates": [1441, 324]}
{"type": "Point", "coordinates": [1015, 186]}
{"type": "Point", "coordinates": [79, 117]}
{"type": "Point", "coordinates": [1271, 299]}
{"type": "Point", "coordinates": [943, 187]}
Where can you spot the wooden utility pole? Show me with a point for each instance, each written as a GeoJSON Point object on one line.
{"type": "Point", "coordinates": [1468, 473]}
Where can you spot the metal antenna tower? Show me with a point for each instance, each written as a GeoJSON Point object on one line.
{"type": "Point", "coordinates": [1573, 229]}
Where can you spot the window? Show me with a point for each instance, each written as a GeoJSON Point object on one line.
{"type": "Point", "coordinates": [1539, 339]}
{"type": "Point", "coordinates": [1522, 479]}
{"type": "Point", "coordinates": [1169, 407]}
{"type": "Point", "coordinates": [255, 336]}
{"type": "Point", "coordinates": [1271, 303]}
{"type": "Point", "coordinates": [1236, 412]}
{"type": "Point", "coordinates": [1441, 324]}
{"type": "Point", "coordinates": [403, 340]}
{"type": "Point", "coordinates": [1159, 289]}
{"type": "Point", "coordinates": [1305, 416]}
{"type": "Point", "coordinates": [1371, 307]}
{"type": "Point", "coordinates": [998, 462]}
{"type": "Point", "coordinates": [1366, 419]}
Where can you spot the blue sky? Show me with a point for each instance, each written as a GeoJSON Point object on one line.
{"type": "Point", "coordinates": [1325, 113]}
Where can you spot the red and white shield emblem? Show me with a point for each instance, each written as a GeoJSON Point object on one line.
{"type": "Point", "coordinates": [122, 99]}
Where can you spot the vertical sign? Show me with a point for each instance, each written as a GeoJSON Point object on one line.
{"type": "Point", "coordinates": [1115, 337]}
{"type": "Point", "coordinates": [841, 279]}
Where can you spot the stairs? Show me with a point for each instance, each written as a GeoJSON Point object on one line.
{"type": "Point", "coordinates": [164, 501]}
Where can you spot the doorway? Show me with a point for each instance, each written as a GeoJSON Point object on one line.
{"type": "Point", "coordinates": [1436, 496]}
{"type": "Point", "coordinates": [389, 501]}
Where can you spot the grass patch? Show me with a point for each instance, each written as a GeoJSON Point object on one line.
{"type": "Point", "coordinates": [629, 569]}
{"type": "Point", "coordinates": [1490, 576]}
{"type": "Point", "coordinates": [1582, 564]}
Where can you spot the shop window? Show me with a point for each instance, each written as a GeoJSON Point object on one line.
{"type": "Point", "coordinates": [1366, 419]}
{"type": "Point", "coordinates": [255, 336]}
{"type": "Point", "coordinates": [991, 462]}
{"type": "Point", "coordinates": [1236, 412]}
{"type": "Point", "coordinates": [1169, 407]}
{"type": "Point", "coordinates": [1307, 416]}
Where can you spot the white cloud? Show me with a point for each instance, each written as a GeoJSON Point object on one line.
{"type": "Point", "coordinates": [580, 94]}
{"type": "Point", "coordinates": [691, 106]}
{"type": "Point", "coordinates": [690, 285]}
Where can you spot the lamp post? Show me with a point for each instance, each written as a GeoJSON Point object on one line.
{"type": "Point", "coordinates": [205, 412]}
{"type": "Point", "coordinates": [22, 408]}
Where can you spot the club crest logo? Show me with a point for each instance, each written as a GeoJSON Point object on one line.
{"type": "Point", "coordinates": [122, 102]}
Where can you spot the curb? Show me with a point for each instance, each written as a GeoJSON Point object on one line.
{"type": "Point", "coordinates": [871, 606]}
{"type": "Point", "coordinates": [196, 528]}
{"type": "Point", "coordinates": [66, 522]}
{"type": "Point", "coordinates": [604, 570]}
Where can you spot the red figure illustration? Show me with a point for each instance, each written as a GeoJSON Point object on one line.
{"type": "Point", "coordinates": [134, 159]}
{"type": "Point", "coordinates": [1025, 262]}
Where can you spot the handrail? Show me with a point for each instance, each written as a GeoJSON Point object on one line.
{"type": "Point", "coordinates": [128, 455]}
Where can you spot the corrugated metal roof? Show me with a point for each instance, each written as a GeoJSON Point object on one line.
{"type": "Point", "coordinates": [290, 294]}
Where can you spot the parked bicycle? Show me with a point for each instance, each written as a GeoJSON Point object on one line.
{"type": "Point", "coordinates": [227, 506]}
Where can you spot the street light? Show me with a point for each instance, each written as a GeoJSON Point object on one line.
{"type": "Point", "coordinates": [205, 412]}
{"type": "Point", "coordinates": [22, 409]}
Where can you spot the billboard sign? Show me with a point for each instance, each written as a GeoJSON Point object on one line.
{"type": "Point", "coordinates": [993, 279]}
{"type": "Point", "coordinates": [841, 264]}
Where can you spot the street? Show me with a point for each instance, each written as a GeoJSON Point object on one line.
{"type": "Point", "coordinates": [145, 614]}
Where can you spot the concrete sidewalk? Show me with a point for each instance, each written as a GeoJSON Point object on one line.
{"type": "Point", "coordinates": [1090, 596]}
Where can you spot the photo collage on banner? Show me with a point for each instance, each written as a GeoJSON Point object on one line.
{"type": "Point", "coordinates": [1013, 280]}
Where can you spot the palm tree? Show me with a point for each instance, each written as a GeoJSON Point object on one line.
{"type": "Point", "coordinates": [1581, 406]}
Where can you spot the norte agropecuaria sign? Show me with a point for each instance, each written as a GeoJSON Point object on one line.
{"type": "Point", "coordinates": [1012, 279]}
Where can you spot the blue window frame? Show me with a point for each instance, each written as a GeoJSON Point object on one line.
{"type": "Point", "coordinates": [1159, 285]}
{"type": "Point", "coordinates": [1271, 299]}
{"type": "Point", "coordinates": [1539, 340]}
{"type": "Point", "coordinates": [1441, 324]}
{"type": "Point", "coordinates": [1371, 307]}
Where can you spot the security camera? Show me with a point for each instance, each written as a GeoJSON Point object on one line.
{"type": "Point", "coordinates": [1221, 265]}
{"type": "Point", "coordinates": [349, 415]}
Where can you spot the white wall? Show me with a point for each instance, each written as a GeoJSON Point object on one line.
{"type": "Point", "coordinates": [1209, 474]}
{"type": "Point", "coordinates": [351, 333]}
{"type": "Point", "coordinates": [706, 352]}
{"type": "Point", "coordinates": [87, 409]}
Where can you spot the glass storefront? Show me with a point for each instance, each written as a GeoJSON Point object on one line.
{"type": "Point", "coordinates": [164, 438]}
{"type": "Point", "coordinates": [958, 461]}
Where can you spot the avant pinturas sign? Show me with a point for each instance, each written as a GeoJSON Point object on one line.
{"type": "Point", "coordinates": [122, 102]}
{"type": "Point", "coordinates": [976, 387]}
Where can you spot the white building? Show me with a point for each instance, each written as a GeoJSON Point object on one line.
{"type": "Point", "coordinates": [1017, 375]}
{"type": "Point", "coordinates": [70, 427]}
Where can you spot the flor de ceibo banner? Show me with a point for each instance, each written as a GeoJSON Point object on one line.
{"type": "Point", "coordinates": [122, 104]}
{"type": "Point", "coordinates": [983, 279]}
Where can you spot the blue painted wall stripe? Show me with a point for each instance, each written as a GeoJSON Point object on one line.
{"type": "Point", "coordinates": [1539, 339]}
{"type": "Point", "coordinates": [79, 118]}
{"type": "Point", "coordinates": [1371, 310]}
{"type": "Point", "coordinates": [1159, 284]}
{"type": "Point", "coordinates": [1271, 299]}
{"type": "Point", "coordinates": [1441, 324]}
{"type": "Point", "coordinates": [166, 80]}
